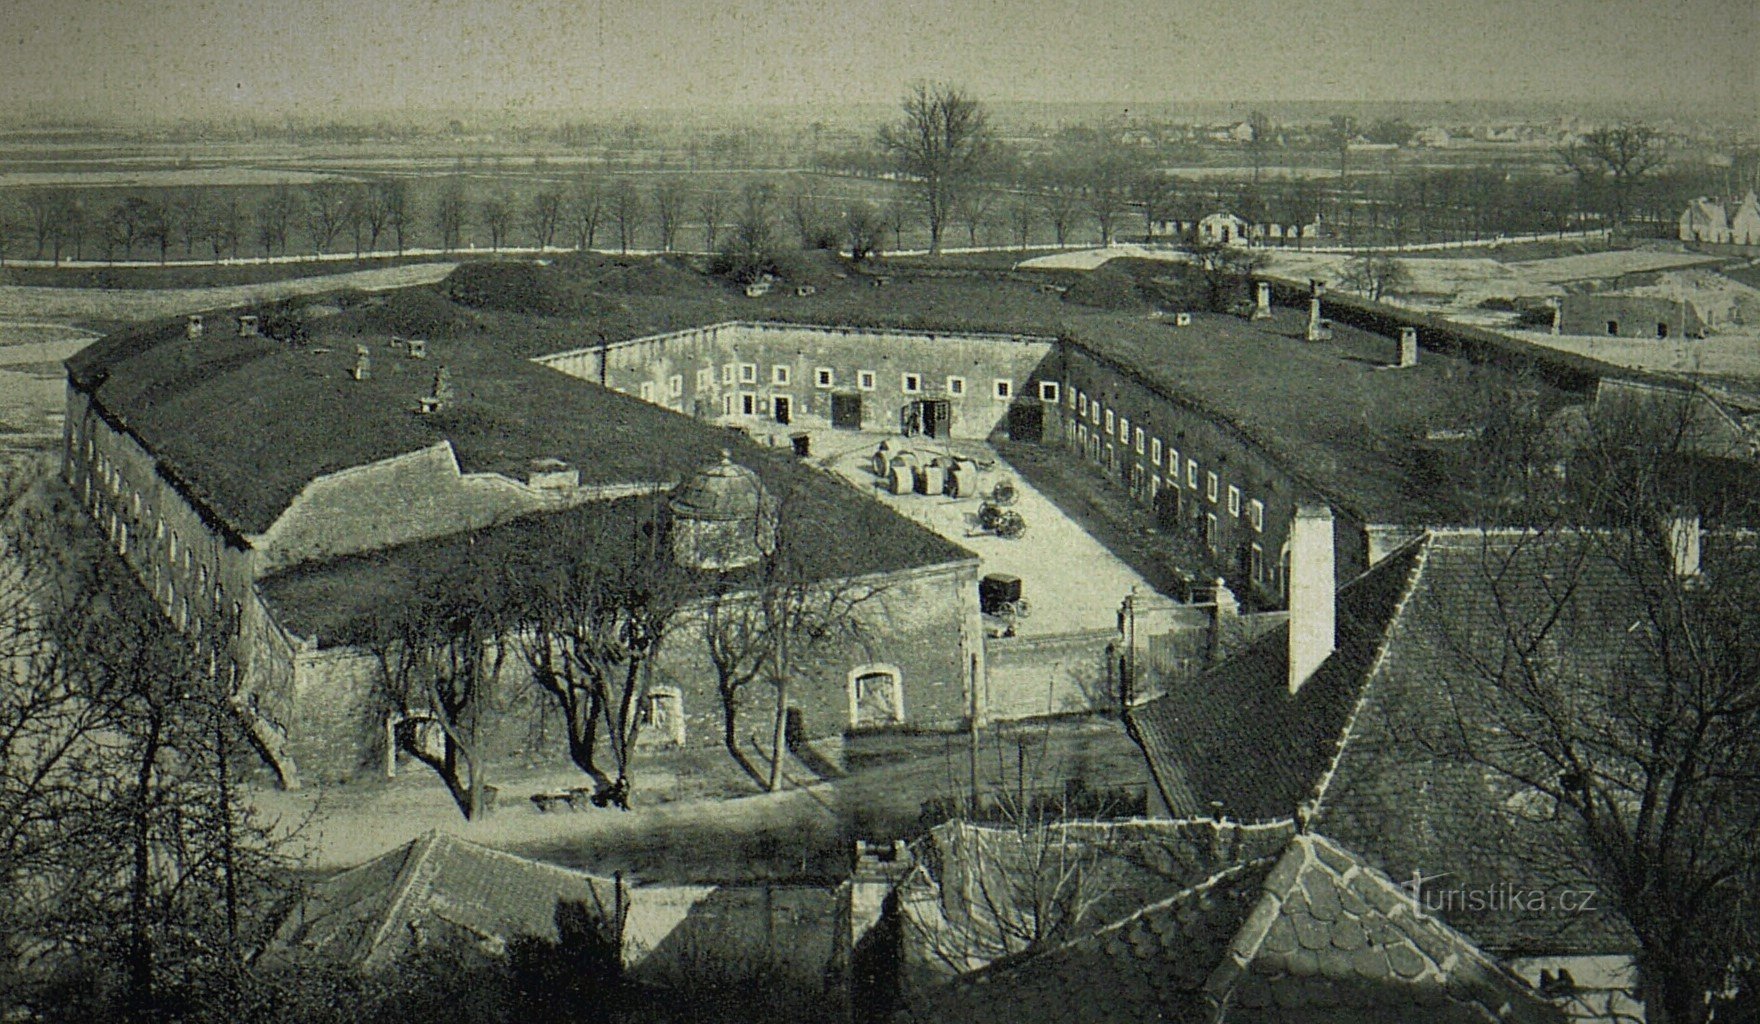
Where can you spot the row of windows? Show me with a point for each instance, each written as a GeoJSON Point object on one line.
{"type": "Point", "coordinates": [824, 377]}
{"type": "Point", "coordinates": [1142, 443]}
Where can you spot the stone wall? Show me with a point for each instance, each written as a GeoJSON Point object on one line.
{"type": "Point", "coordinates": [1032, 676]}
{"type": "Point", "coordinates": [791, 936]}
{"type": "Point", "coordinates": [737, 372]}
{"type": "Point", "coordinates": [920, 624]}
{"type": "Point", "coordinates": [417, 496]}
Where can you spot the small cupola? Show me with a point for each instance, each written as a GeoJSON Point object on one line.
{"type": "Point", "coordinates": [722, 518]}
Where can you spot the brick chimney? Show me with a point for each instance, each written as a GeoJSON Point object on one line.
{"type": "Point", "coordinates": [1312, 616]}
{"type": "Point", "coordinates": [1262, 305]}
{"type": "Point", "coordinates": [1316, 326]}
{"type": "Point", "coordinates": [193, 325]}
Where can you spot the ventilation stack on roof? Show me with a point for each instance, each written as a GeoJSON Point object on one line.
{"type": "Point", "coordinates": [363, 363]}
{"type": "Point", "coordinates": [1682, 529]}
{"type": "Point", "coordinates": [1262, 305]}
{"type": "Point", "coordinates": [1407, 353]}
{"type": "Point", "coordinates": [193, 325]}
{"type": "Point", "coordinates": [247, 326]}
{"type": "Point", "coordinates": [1557, 308]}
{"type": "Point", "coordinates": [1312, 593]}
{"type": "Point", "coordinates": [1318, 329]}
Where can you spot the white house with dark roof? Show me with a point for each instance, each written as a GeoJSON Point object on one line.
{"type": "Point", "coordinates": [1704, 220]}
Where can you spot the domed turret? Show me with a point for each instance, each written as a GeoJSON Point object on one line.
{"type": "Point", "coordinates": [722, 518]}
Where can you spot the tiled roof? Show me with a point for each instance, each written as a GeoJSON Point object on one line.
{"type": "Point", "coordinates": [433, 887]}
{"type": "Point", "coordinates": [1357, 742]}
{"type": "Point", "coordinates": [1313, 935]}
{"type": "Point", "coordinates": [1199, 733]}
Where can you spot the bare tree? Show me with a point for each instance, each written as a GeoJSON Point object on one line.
{"type": "Point", "coordinates": [1639, 747]}
{"type": "Point", "coordinates": [1341, 131]}
{"type": "Point", "coordinates": [1619, 157]}
{"type": "Point", "coordinates": [1374, 275]}
{"type": "Point", "coordinates": [1258, 140]}
{"type": "Point", "coordinates": [972, 207]}
{"type": "Point", "coordinates": [670, 199]}
{"type": "Point", "coordinates": [591, 629]}
{"type": "Point", "coordinates": [224, 225]}
{"type": "Point", "coordinates": [585, 206]}
{"type": "Point", "coordinates": [275, 214]}
{"type": "Point", "coordinates": [628, 210]}
{"type": "Point", "coordinates": [440, 657]}
{"type": "Point", "coordinates": [711, 207]}
{"type": "Point", "coordinates": [388, 204]}
{"type": "Point", "coordinates": [941, 145]}
{"type": "Point", "coordinates": [1060, 198]}
{"type": "Point", "coordinates": [543, 215]}
{"type": "Point", "coordinates": [450, 213]}
{"type": "Point", "coordinates": [863, 230]}
{"type": "Point", "coordinates": [1023, 214]}
{"type": "Point", "coordinates": [326, 209]}
{"type": "Point", "coordinates": [1225, 270]}
{"type": "Point", "coordinates": [807, 216]}
{"type": "Point", "coordinates": [189, 213]}
{"type": "Point", "coordinates": [496, 214]}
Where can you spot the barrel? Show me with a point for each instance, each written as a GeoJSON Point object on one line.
{"type": "Point", "coordinates": [901, 479]}
{"type": "Point", "coordinates": [931, 479]}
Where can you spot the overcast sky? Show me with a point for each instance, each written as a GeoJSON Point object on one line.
{"type": "Point", "coordinates": [313, 57]}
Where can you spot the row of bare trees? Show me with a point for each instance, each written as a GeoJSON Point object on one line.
{"type": "Point", "coordinates": [580, 639]}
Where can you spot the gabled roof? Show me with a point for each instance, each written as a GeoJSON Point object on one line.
{"type": "Point", "coordinates": [1197, 735]}
{"type": "Point", "coordinates": [1311, 935]}
{"type": "Point", "coordinates": [435, 887]}
{"type": "Point", "coordinates": [1417, 635]}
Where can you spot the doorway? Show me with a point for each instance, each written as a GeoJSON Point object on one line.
{"type": "Point", "coordinates": [782, 408]}
{"type": "Point", "coordinates": [846, 411]}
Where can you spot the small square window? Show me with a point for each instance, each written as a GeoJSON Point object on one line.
{"type": "Point", "coordinates": [911, 383]}
{"type": "Point", "coordinates": [1004, 390]}
{"type": "Point", "coordinates": [1256, 515]}
{"type": "Point", "coordinates": [1048, 391]}
{"type": "Point", "coordinates": [1211, 486]}
{"type": "Point", "coordinates": [956, 386]}
{"type": "Point", "coordinates": [675, 386]}
{"type": "Point", "coordinates": [1155, 450]}
{"type": "Point", "coordinates": [748, 373]}
{"type": "Point", "coordinates": [824, 377]}
{"type": "Point", "coordinates": [727, 373]}
{"type": "Point", "coordinates": [1192, 473]}
{"type": "Point", "coordinates": [779, 376]}
{"type": "Point", "coordinates": [1234, 500]}
{"type": "Point", "coordinates": [647, 391]}
{"type": "Point", "coordinates": [865, 380]}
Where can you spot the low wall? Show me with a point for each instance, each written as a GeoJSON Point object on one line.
{"type": "Point", "coordinates": [1050, 675]}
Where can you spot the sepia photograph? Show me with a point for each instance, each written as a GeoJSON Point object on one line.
{"type": "Point", "coordinates": [885, 512]}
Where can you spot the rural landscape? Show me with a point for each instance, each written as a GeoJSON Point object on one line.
{"type": "Point", "coordinates": [1054, 528]}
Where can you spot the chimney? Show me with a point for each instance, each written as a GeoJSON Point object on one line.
{"type": "Point", "coordinates": [247, 326]}
{"type": "Point", "coordinates": [193, 327]}
{"type": "Point", "coordinates": [1311, 592]}
{"type": "Point", "coordinates": [1683, 543]}
{"type": "Point", "coordinates": [1557, 315]}
{"type": "Point", "coordinates": [363, 363]}
{"type": "Point", "coordinates": [1408, 347]}
{"type": "Point", "coordinates": [1262, 307]}
{"type": "Point", "coordinates": [1224, 610]}
{"type": "Point", "coordinates": [1316, 289]}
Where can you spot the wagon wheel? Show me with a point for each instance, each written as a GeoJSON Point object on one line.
{"type": "Point", "coordinates": [1010, 525]}
{"type": "Point", "coordinates": [1003, 493]}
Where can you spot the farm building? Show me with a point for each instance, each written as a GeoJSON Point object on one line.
{"type": "Point", "coordinates": [1704, 220]}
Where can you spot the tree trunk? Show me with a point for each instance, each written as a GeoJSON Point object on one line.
{"type": "Point", "coordinates": [730, 739]}
{"type": "Point", "coordinates": [140, 944]}
{"type": "Point", "coordinates": [778, 732]}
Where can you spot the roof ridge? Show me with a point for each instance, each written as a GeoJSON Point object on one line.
{"type": "Point", "coordinates": [422, 849]}
{"type": "Point", "coordinates": [1415, 574]}
{"type": "Point", "coordinates": [1244, 945]}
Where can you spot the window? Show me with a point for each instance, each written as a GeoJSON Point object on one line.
{"type": "Point", "coordinates": [865, 380]}
{"type": "Point", "coordinates": [911, 383]}
{"type": "Point", "coordinates": [675, 386]}
{"type": "Point", "coordinates": [1173, 465]}
{"type": "Point", "coordinates": [727, 405]}
{"type": "Point", "coordinates": [727, 373]}
{"type": "Point", "coordinates": [1210, 486]}
{"type": "Point", "coordinates": [748, 373]}
{"type": "Point", "coordinates": [662, 715]}
{"type": "Point", "coordinates": [956, 386]}
{"type": "Point", "coordinates": [1256, 515]}
{"type": "Point", "coordinates": [1256, 563]}
{"type": "Point", "coordinates": [1081, 404]}
{"type": "Point", "coordinates": [1004, 390]}
{"type": "Point", "coordinates": [1234, 500]}
{"type": "Point", "coordinates": [1110, 421]}
{"type": "Point", "coordinates": [1124, 430]}
{"type": "Point", "coordinates": [823, 377]}
{"type": "Point", "coordinates": [1192, 473]}
{"type": "Point", "coordinates": [1139, 440]}
{"type": "Point", "coordinates": [1210, 530]}
{"type": "Point", "coordinates": [1613, 328]}
{"type": "Point", "coordinates": [647, 391]}
{"type": "Point", "coordinates": [1048, 391]}
{"type": "Point", "coordinates": [748, 403]}
{"type": "Point", "coordinates": [779, 376]}
{"type": "Point", "coordinates": [1155, 450]}
{"type": "Point", "coordinates": [705, 378]}
{"type": "Point", "coordinates": [876, 696]}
